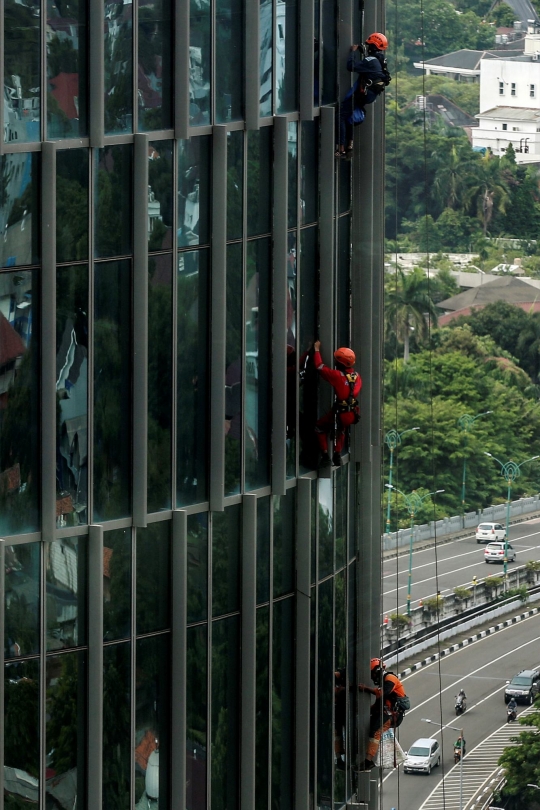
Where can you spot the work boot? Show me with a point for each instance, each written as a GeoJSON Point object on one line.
{"type": "Point", "coordinates": [368, 765]}
{"type": "Point", "coordinates": [336, 460]}
{"type": "Point", "coordinates": [325, 461]}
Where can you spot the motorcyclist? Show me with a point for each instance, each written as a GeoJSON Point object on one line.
{"type": "Point", "coordinates": [512, 705]}
{"type": "Point", "coordinates": [462, 695]}
{"type": "Point", "coordinates": [459, 743]}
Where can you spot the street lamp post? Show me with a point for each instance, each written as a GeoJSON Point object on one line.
{"type": "Point", "coordinates": [466, 422]}
{"type": "Point", "coordinates": [413, 502]}
{"type": "Point", "coordinates": [425, 720]}
{"type": "Point", "coordinates": [509, 471]}
{"type": "Point", "coordinates": [393, 440]}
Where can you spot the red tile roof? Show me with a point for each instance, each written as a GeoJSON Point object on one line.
{"type": "Point", "coordinates": [11, 345]}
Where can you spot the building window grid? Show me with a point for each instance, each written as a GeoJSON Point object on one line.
{"type": "Point", "coordinates": [513, 89]}
{"type": "Point", "coordinates": [501, 88]}
{"type": "Point", "coordinates": [532, 91]}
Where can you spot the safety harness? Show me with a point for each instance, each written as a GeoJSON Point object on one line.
{"type": "Point", "coordinates": [351, 403]}
{"type": "Point", "coordinates": [377, 86]}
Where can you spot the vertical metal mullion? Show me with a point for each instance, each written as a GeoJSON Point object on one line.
{"type": "Point", "coordinates": [209, 674]}
{"type": "Point", "coordinates": [135, 63]}
{"type": "Point", "coordinates": [307, 35]}
{"type": "Point", "coordinates": [248, 652]}
{"type": "Point", "coordinates": [133, 664]}
{"type": "Point", "coordinates": [270, 652]}
{"type": "Point", "coordinates": [243, 414]}
{"type": "Point", "coordinates": [181, 69]}
{"type": "Point", "coordinates": [252, 70]}
{"type": "Point", "coordinates": [2, 647]}
{"type": "Point", "coordinates": [218, 318]}
{"type": "Point", "coordinates": [91, 307]}
{"type": "Point", "coordinates": [302, 664]}
{"type": "Point", "coordinates": [140, 334]}
{"type": "Point", "coordinates": [42, 722]}
{"type": "Point", "coordinates": [2, 52]}
{"type": "Point", "coordinates": [326, 242]}
{"type": "Point", "coordinates": [48, 341]}
{"type": "Point", "coordinates": [279, 327]}
{"type": "Point", "coordinates": [95, 668]}
{"type": "Point", "coordinates": [97, 73]}
{"type": "Point", "coordinates": [43, 77]}
{"type": "Point", "coordinates": [179, 639]}
{"type": "Point", "coordinates": [174, 348]}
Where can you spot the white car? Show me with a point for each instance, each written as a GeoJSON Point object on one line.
{"type": "Point", "coordinates": [494, 552]}
{"type": "Point", "coordinates": [488, 532]}
{"type": "Point", "coordinates": [422, 756]}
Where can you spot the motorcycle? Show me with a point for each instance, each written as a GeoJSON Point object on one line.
{"type": "Point", "coordinates": [457, 754]}
{"type": "Point", "coordinates": [511, 715]}
{"type": "Point", "coordinates": [461, 705]}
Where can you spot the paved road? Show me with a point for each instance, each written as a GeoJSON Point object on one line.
{"type": "Point", "coordinates": [482, 669]}
{"type": "Point", "coordinates": [454, 564]}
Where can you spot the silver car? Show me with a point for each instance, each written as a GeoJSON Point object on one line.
{"type": "Point", "coordinates": [494, 552]}
{"type": "Point", "coordinates": [488, 532]}
{"type": "Point", "coordinates": [422, 756]}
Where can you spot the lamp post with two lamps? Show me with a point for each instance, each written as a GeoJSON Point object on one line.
{"type": "Point", "coordinates": [466, 422]}
{"type": "Point", "coordinates": [413, 502]}
{"type": "Point", "coordinates": [509, 471]}
{"type": "Point", "coordinates": [393, 440]}
{"type": "Point", "coordinates": [462, 740]}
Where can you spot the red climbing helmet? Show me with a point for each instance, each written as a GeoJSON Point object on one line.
{"type": "Point", "coordinates": [345, 356]}
{"type": "Point", "coordinates": [376, 663]}
{"type": "Point", "coordinates": [379, 40]}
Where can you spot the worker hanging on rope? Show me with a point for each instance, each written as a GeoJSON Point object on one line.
{"type": "Point", "coordinates": [372, 79]}
{"type": "Point", "coordinates": [389, 708]}
{"type": "Point", "coordinates": [346, 383]}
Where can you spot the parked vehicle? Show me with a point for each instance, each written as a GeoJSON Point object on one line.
{"type": "Point", "coordinates": [422, 756]}
{"type": "Point", "coordinates": [523, 687]}
{"type": "Point", "coordinates": [494, 552]}
{"type": "Point", "coordinates": [487, 532]}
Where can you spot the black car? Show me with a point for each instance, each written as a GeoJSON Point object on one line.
{"type": "Point", "coordinates": [523, 687]}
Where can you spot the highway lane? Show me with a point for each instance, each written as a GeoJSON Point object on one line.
{"type": "Point", "coordinates": [455, 563]}
{"type": "Point", "coordinates": [482, 669]}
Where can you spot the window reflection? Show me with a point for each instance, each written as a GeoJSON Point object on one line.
{"type": "Point", "coordinates": [154, 67]}
{"type": "Point", "coordinates": [160, 195]}
{"type": "Point", "coordinates": [282, 704]}
{"type": "Point", "coordinates": [340, 687]}
{"type": "Point", "coordinates": [325, 691]}
{"type": "Point", "coordinates": [309, 171]}
{"type": "Point", "coordinates": [197, 562]}
{"type": "Point", "coordinates": [262, 709]}
{"type": "Point", "coordinates": [226, 560]}
{"type": "Point", "coordinates": [21, 594]}
{"type": "Point", "coordinates": [259, 181]}
{"type": "Point", "coordinates": [235, 184]}
{"type": "Point", "coordinates": [67, 77]}
{"type": "Point", "coordinates": [65, 731]}
{"type": "Point", "coordinates": [308, 328]}
{"type": "Point", "coordinates": [114, 200]}
{"type": "Point", "coordinates": [65, 572]}
{"type": "Point", "coordinates": [22, 70]}
{"type": "Point", "coordinates": [200, 50]}
{"type": "Point", "coordinates": [263, 549]}
{"type": "Point", "coordinates": [19, 210]}
{"type": "Point", "coordinates": [265, 57]}
{"type": "Point", "coordinates": [116, 584]}
{"type": "Point", "coordinates": [329, 51]}
{"type": "Point", "coordinates": [233, 374]}
{"type": "Point", "coordinates": [21, 735]}
{"type": "Point", "coordinates": [343, 282]}
{"type": "Point", "coordinates": [229, 50]}
{"type": "Point", "coordinates": [117, 750]}
{"type": "Point", "coordinates": [72, 205]}
{"type": "Point", "coordinates": [19, 404]}
{"type": "Point", "coordinates": [284, 541]}
{"type": "Point", "coordinates": [118, 66]}
{"type": "Point", "coordinates": [196, 722]}
{"type": "Point", "coordinates": [72, 395]}
{"type": "Point", "coordinates": [153, 577]}
{"type": "Point", "coordinates": [194, 191]}
{"type": "Point", "coordinates": [192, 377]}
{"type": "Point", "coordinates": [292, 168]}
{"type": "Point", "coordinates": [326, 527]}
{"type": "Point", "coordinates": [292, 365]}
{"type": "Point", "coordinates": [341, 515]}
{"type": "Point", "coordinates": [225, 708]}
{"type": "Point", "coordinates": [286, 55]}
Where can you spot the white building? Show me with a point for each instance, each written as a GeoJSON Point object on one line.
{"type": "Point", "coordinates": [510, 104]}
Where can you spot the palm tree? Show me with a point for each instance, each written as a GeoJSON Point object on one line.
{"type": "Point", "coordinates": [409, 307]}
{"type": "Point", "coordinates": [528, 346]}
{"type": "Point", "coordinates": [489, 191]}
{"type": "Point", "coordinates": [453, 176]}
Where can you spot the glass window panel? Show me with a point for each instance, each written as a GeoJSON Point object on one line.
{"type": "Point", "coordinates": [226, 560]}
{"type": "Point", "coordinates": [152, 723]}
{"type": "Point", "coordinates": [160, 387]}
{"type": "Point", "coordinates": [340, 692]}
{"type": "Point", "coordinates": [325, 693]}
{"type": "Point", "coordinates": [308, 325]}
{"type": "Point", "coordinates": [196, 716]}
{"type": "Point", "coordinates": [282, 704]}
{"type": "Point", "coordinates": [225, 709]}
{"type": "Point", "coordinates": [117, 749]}
{"type": "Point", "coordinates": [72, 205]}
{"type": "Point", "coordinates": [112, 390]}
{"type": "Point", "coordinates": [22, 70]}
{"type": "Point", "coordinates": [316, 52]}
{"type": "Point", "coordinates": [292, 170]}
{"type": "Point", "coordinates": [153, 577]}
{"type": "Point", "coordinates": [344, 185]}
{"type": "Point", "coordinates": [192, 377]}
{"type": "Point", "coordinates": [66, 588]}
{"type": "Point", "coordinates": [284, 541]}
{"type": "Point", "coordinates": [326, 527]}
{"type": "Point", "coordinates": [313, 690]}
{"type": "Point", "coordinates": [118, 34]}
{"type": "Point", "coordinates": [116, 584]}
{"type": "Point", "coordinates": [194, 175]}
{"type": "Point", "coordinates": [155, 65]}
{"type": "Point", "coordinates": [21, 595]}
{"type": "Point", "coordinates": [229, 49]}
{"type": "Point", "coordinates": [72, 395]}
{"type": "Point", "coordinates": [67, 69]}
{"type": "Point", "coordinates": [309, 171]}
{"type": "Point", "coordinates": [235, 184]}
{"type": "Point", "coordinates": [258, 350]}
{"type": "Point", "coordinates": [65, 730]}
{"type": "Point", "coordinates": [19, 210]}
{"type": "Point", "coordinates": [19, 403]}
{"type": "Point", "coordinates": [197, 562]}
{"type": "Point", "coordinates": [329, 51]}
{"type": "Point", "coordinates": [313, 537]}
{"type": "Point", "coordinates": [343, 282]}
{"type": "Point", "coordinates": [114, 201]}
{"type": "Point", "coordinates": [351, 740]}
{"type": "Point", "coordinates": [233, 375]}
{"type": "Point", "coordinates": [265, 57]}
{"type": "Point", "coordinates": [286, 55]}
{"type": "Point", "coordinates": [262, 710]}
{"type": "Point", "coordinates": [160, 195]}
{"type": "Point", "coordinates": [263, 549]}
{"type": "Point", "coordinates": [21, 735]}
{"type": "Point", "coordinates": [200, 51]}
{"type": "Point", "coordinates": [292, 364]}
{"type": "Point", "coordinates": [341, 516]}
{"type": "Point", "coordinates": [259, 181]}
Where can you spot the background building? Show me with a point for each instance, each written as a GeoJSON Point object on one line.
{"type": "Point", "coordinates": [179, 584]}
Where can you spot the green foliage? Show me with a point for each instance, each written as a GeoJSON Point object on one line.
{"type": "Point", "coordinates": [532, 565]}
{"type": "Point", "coordinates": [400, 620]}
{"type": "Point", "coordinates": [494, 582]}
{"type": "Point", "coordinates": [433, 603]}
{"type": "Point", "coordinates": [521, 763]}
{"type": "Point", "coordinates": [511, 593]}
{"type": "Point", "coordinates": [503, 16]}
{"type": "Point", "coordinates": [462, 593]}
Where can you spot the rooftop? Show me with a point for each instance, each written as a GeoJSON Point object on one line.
{"type": "Point", "coordinates": [510, 114]}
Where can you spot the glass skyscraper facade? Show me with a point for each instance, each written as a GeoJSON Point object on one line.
{"type": "Point", "coordinates": [179, 585]}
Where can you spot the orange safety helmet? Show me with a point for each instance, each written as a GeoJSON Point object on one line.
{"type": "Point", "coordinates": [345, 356]}
{"type": "Point", "coordinates": [376, 663]}
{"type": "Point", "coordinates": [379, 40]}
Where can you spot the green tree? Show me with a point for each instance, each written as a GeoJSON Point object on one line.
{"type": "Point", "coordinates": [489, 191]}
{"type": "Point", "coordinates": [521, 764]}
{"type": "Point", "coordinates": [409, 306]}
